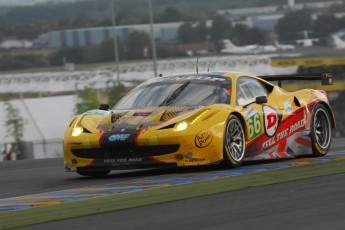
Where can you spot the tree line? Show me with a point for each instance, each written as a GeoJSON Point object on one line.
{"type": "Point", "coordinates": [292, 25]}
{"type": "Point", "coordinates": [133, 49]}
{"type": "Point", "coordinates": [28, 22]}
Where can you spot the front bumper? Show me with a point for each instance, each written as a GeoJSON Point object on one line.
{"type": "Point", "coordinates": [124, 146]}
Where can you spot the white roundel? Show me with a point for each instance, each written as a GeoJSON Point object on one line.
{"type": "Point", "coordinates": [271, 120]}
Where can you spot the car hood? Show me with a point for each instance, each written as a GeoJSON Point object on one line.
{"type": "Point", "coordinates": [150, 115]}
{"type": "Point", "coordinates": [116, 120]}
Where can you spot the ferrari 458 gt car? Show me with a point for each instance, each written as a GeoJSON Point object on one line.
{"type": "Point", "coordinates": [200, 119]}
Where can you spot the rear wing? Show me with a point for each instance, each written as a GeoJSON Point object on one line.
{"type": "Point", "coordinates": [326, 78]}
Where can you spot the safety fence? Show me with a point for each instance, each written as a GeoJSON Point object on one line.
{"type": "Point", "coordinates": [32, 150]}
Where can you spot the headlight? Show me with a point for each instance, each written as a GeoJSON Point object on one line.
{"type": "Point", "coordinates": [77, 131]}
{"type": "Point", "coordinates": [181, 126]}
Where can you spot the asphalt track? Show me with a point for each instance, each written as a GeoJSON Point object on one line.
{"type": "Point", "coordinates": [316, 203]}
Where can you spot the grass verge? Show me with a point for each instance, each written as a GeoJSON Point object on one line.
{"type": "Point", "coordinates": [153, 196]}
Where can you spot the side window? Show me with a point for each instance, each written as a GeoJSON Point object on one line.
{"type": "Point", "coordinates": [247, 89]}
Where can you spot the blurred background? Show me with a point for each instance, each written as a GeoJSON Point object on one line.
{"type": "Point", "coordinates": [59, 58]}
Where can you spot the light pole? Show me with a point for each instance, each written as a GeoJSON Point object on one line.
{"type": "Point", "coordinates": [116, 50]}
{"type": "Point", "coordinates": [153, 43]}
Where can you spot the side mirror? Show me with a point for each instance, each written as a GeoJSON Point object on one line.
{"type": "Point", "coordinates": [103, 107]}
{"type": "Point", "coordinates": [261, 100]}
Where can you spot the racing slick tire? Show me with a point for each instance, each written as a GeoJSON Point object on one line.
{"type": "Point", "coordinates": [321, 134]}
{"type": "Point", "coordinates": [234, 142]}
{"type": "Point", "coordinates": [101, 173]}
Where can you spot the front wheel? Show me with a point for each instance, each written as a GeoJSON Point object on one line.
{"type": "Point", "coordinates": [320, 131]}
{"type": "Point", "coordinates": [101, 173]}
{"type": "Point", "coordinates": [234, 142]}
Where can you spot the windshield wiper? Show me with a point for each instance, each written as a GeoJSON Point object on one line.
{"type": "Point", "coordinates": [175, 94]}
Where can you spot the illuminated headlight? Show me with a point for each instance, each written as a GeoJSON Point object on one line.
{"type": "Point", "coordinates": [77, 131]}
{"type": "Point", "coordinates": [181, 126]}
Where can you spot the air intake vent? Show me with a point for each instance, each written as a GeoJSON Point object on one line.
{"type": "Point", "coordinates": [116, 116]}
{"type": "Point", "coordinates": [168, 114]}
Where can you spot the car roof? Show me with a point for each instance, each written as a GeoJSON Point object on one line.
{"type": "Point", "coordinates": [229, 74]}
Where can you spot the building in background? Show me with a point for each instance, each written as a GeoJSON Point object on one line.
{"type": "Point", "coordinates": [164, 32]}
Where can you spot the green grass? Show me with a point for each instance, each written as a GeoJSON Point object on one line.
{"type": "Point", "coordinates": [158, 195]}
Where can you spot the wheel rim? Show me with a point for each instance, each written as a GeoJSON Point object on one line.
{"type": "Point", "coordinates": [235, 140]}
{"type": "Point", "coordinates": [322, 128]}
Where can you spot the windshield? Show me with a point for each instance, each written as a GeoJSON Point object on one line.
{"type": "Point", "coordinates": [178, 92]}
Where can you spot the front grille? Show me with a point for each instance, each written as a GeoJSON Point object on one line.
{"type": "Point", "coordinates": [125, 152]}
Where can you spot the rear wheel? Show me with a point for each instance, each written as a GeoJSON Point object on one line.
{"type": "Point", "coordinates": [102, 173]}
{"type": "Point", "coordinates": [234, 142]}
{"type": "Point", "coordinates": [321, 133]}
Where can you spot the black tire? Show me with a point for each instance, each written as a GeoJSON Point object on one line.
{"type": "Point", "coordinates": [102, 173]}
{"type": "Point", "coordinates": [234, 142]}
{"type": "Point", "coordinates": [321, 131]}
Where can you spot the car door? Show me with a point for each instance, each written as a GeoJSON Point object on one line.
{"type": "Point", "coordinates": [262, 119]}
{"type": "Point", "coordinates": [247, 90]}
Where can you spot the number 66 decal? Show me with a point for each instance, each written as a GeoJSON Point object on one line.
{"type": "Point", "coordinates": [254, 123]}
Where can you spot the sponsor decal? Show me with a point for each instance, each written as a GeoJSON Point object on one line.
{"type": "Point", "coordinates": [123, 160]}
{"type": "Point", "coordinates": [297, 125]}
{"type": "Point", "coordinates": [192, 160]}
{"type": "Point", "coordinates": [203, 138]}
{"type": "Point", "coordinates": [142, 114]}
{"type": "Point", "coordinates": [268, 143]}
{"type": "Point", "coordinates": [284, 133]}
{"type": "Point", "coordinates": [288, 107]}
{"type": "Point", "coordinates": [192, 77]}
{"type": "Point", "coordinates": [119, 137]}
{"type": "Point", "coordinates": [271, 120]}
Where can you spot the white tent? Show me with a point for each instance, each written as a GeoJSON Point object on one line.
{"type": "Point", "coordinates": [45, 121]}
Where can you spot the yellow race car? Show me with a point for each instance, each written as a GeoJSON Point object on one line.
{"type": "Point", "coordinates": [200, 119]}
